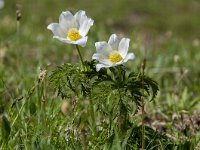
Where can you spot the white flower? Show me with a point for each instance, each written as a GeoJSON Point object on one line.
{"type": "Point", "coordinates": [113, 53]}
{"type": "Point", "coordinates": [71, 28]}
{"type": "Point", "coordinates": [1, 4]}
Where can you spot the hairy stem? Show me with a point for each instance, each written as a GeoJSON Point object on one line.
{"type": "Point", "coordinates": [81, 58]}
{"type": "Point", "coordinates": [143, 112]}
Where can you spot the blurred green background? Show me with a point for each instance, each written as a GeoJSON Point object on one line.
{"type": "Point", "coordinates": [165, 32]}
{"type": "Point", "coordinates": [146, 22]}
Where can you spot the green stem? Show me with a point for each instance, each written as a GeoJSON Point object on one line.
{"type": "Point", "coordinates": [81, 58]}
{"type": "Point", "coordinates": [143, 129]}
{"type": "Point", "coordinates": [92, 113]}
{"type": "Point", "coordinates": [18, 44]}
{"type": "Point", "coordinates": [18, 114]}
{"type": "Point", "coordinates": [143, 112]}
{"type": "Point", "coordinates": [120, 116]}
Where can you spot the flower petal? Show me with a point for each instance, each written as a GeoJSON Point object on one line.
{"type": "Point", "coordinates": [99, 66]}
{"type": "Point", "coordinates": [96, 56]}
{"type": "Point", "coordinates": [114, 41]}
{"type": "Point", "coordinates": [80, 17]}
{"type": "Point", "coordinates": [101, 58]}
{"type": "Point", "coordinates": [65, 40]}
{"type": "Point", "coordinates": [123, 47]}
{"type": "Point", "coordinates": [79, 14]}
{"type": "Point", "coordinates": [55, 28]}
{"type": "Point", "coordinates": [82, 41]}
{"type": "Point", "coordinates": [129, 56]}
{"type": "Point", "coordinates": [103, 48]}
{"type": "Point", "coordinates": [84, 22]}
{"type": "Point", "coordinates": [85, 26]}
{"type": "Point", "coordinates": [67, 21]}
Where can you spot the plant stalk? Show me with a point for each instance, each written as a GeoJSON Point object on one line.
{"type": "Point", "coordinates": [18, 114]}
{"type": "Point", "coordinates": [92, 113]}
{"type": "Point", "coordinates": [81, 58]}
{"type": "Point", "coordinates": [143, 112]}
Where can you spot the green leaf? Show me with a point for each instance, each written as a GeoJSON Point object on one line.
{"type": "Point", "coordinates": [5, 128]}
{"type": "Point", "coordinates": [32, 108]}
{"type": "Point", "coordinates": [153, 85]}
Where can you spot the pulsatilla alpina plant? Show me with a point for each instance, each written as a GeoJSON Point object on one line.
{"type": "Point", "coordinates": [103, 93]}
{"type": "Point", "coordinates": [112, 53]}
{"type": "Point", "coordinates": [71, 28]}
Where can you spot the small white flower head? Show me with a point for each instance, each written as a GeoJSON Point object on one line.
{"type": "Point", "coordinates": [113, 53]}
{"type": "Point", "coordinates": [71, 28]}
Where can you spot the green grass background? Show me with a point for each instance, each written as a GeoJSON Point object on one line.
{"type": "Point", "coordinates": [165, 32]}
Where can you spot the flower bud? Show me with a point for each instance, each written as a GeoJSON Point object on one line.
{"type": "Point", "coordinates": [18, 15]}
{"type": "Point", "coordinates": [42, 75]}
{"type": "Point", "coordinates": [176, 58]}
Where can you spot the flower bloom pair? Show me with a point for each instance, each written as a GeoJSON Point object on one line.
{"type": "Point", "coordinates": [72, 29]}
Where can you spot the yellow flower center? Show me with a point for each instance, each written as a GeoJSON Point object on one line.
{"type": "Point", "coordinates": [115, 57]}
{"type": "Point", "coordinates": [73, 34]}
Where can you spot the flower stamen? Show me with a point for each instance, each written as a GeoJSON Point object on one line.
{"type": "Point", "coordinates": [73, 34]}
{"type": "Point", "coordinates": [115, 57]}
